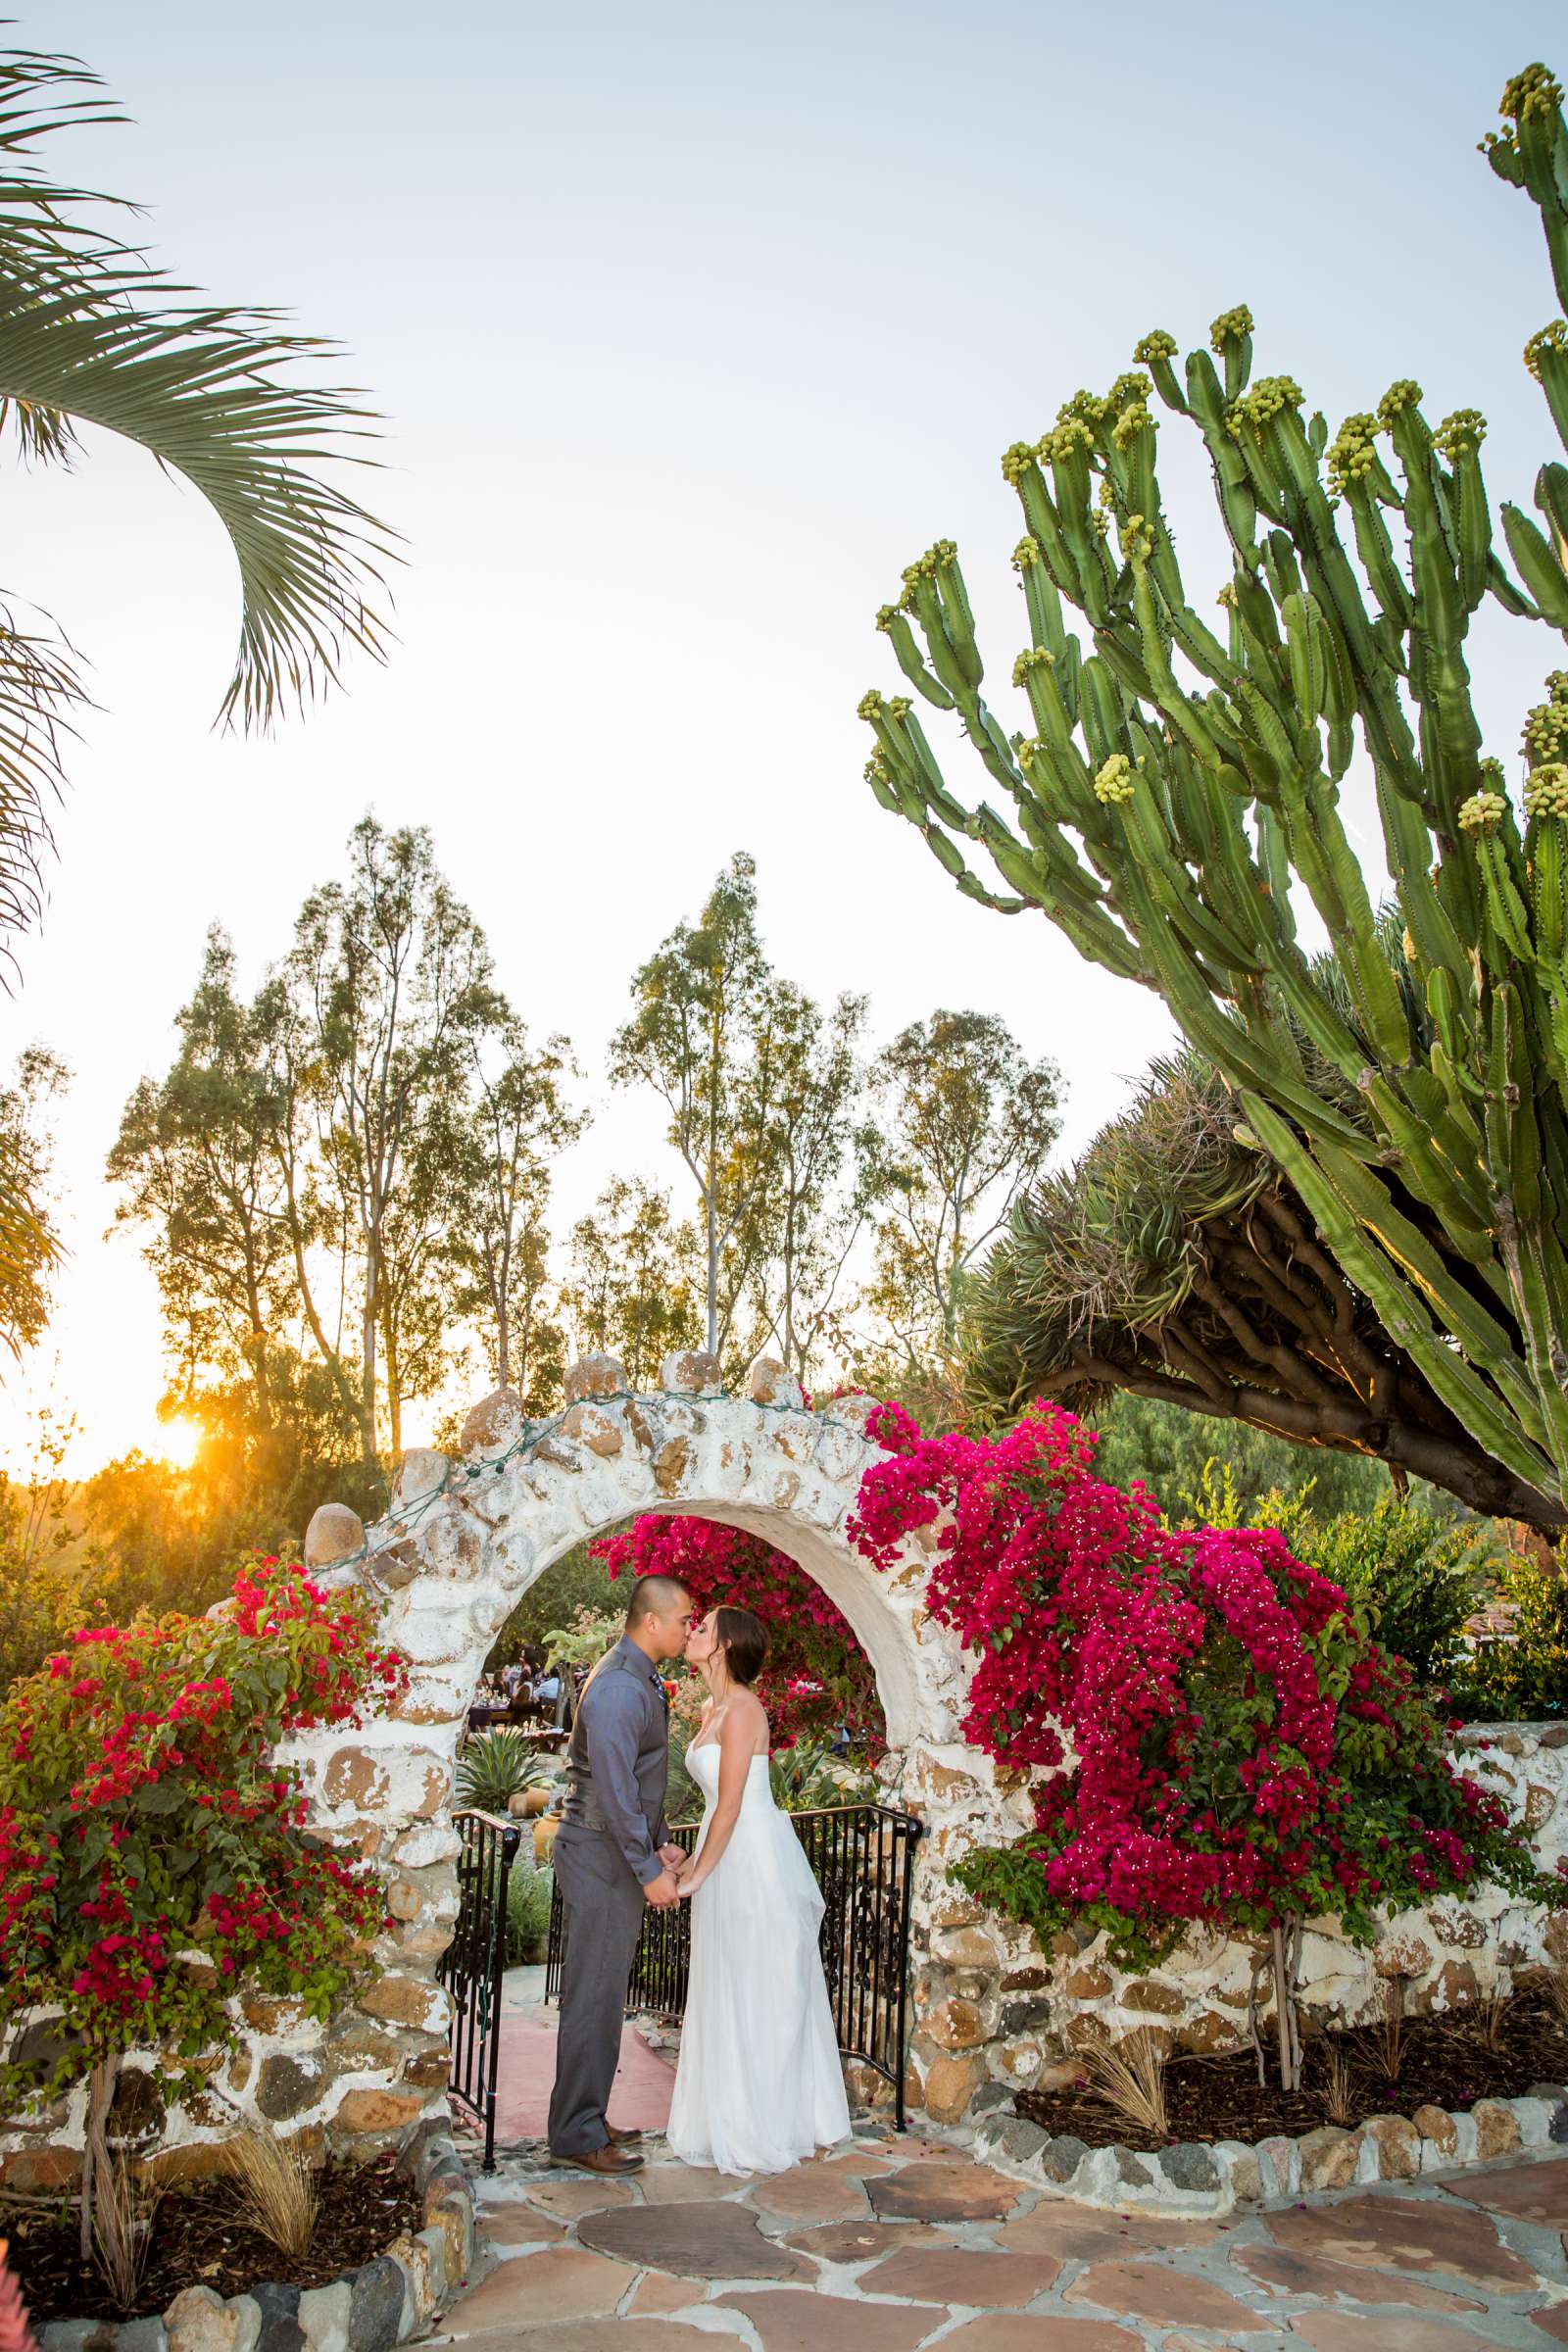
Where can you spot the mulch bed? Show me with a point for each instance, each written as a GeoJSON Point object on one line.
{"type": "Point", "coordinates": [1444, 2062]}
{"type": "Point", "coordinates": [199, 2239]}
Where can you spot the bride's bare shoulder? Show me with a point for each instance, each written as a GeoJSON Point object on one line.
{"type": "Point", "coordinates": [752, 1715]}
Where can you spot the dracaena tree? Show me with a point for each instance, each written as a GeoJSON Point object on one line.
{"type": "Point", "coordinates": [1176, 808]}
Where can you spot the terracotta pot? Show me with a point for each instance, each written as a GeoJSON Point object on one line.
{"type": "Point", "coordinates": [536, 1801]}
{"type": "Point", "coordinates": [543, 1837]}
{"type": "Point", "coordinates": [517, 1803]}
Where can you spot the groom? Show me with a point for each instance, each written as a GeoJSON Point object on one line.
{"type": "Point", "coordinates": [612, 1863]}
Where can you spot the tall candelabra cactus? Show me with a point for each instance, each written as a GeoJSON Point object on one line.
{"type": "Point", "coordinates": [1181, 795]}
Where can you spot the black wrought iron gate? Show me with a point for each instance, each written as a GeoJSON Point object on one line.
{"type": "Point", "coordinates": [474, 1961]}
{"type": "Point", "coordinates": [864, 1860]}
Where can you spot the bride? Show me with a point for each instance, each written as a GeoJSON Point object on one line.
{"type": "Point", "coordinates": [759, 2084]}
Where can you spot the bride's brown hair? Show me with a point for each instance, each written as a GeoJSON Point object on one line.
{"type": "Point", "coordinates": [742, 1638]}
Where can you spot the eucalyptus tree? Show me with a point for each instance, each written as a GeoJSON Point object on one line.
{"type": "Point", "coordinates": [633, 1285]}
{"type": "Point", "coordinates": [394, 982]}
{"type": "Point", "coordinates": [701, 1038]}
{"type": "Point", "coordinates": [969, 1122]}
{"type": "Point", "coordinates": [199, 1170]}
{"type": "Point", "coordinates": [28, 1243]}
{"type": "Point", "coordinates": [346, 1166]}
{"type": "Point", "coordinates": [821, 1167]}
{"type": "Point", "coordinates": [501, 1146]}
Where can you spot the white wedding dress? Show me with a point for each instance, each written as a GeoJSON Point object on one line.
{"type": "Point", "coordinates": [760, 2083]}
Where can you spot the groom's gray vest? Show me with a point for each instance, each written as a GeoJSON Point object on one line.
{"type": "Point", "coordinates": [618, 1759]}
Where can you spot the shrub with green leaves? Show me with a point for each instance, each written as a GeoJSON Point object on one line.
{"type": "Point", "coordinates": [530, 1893]}
{"type": "Point", "coordinates": [1412, 1575]}
{"type": "Point", "coordinates": [1525, 1676]}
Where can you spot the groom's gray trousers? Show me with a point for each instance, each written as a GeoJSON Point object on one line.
{"type": "Point", "coordinates": [605, 1907]}
{"type": "Point", "coordinates": [606, 1852]}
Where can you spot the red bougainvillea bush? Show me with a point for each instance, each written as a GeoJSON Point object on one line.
{"type": "Point", "coordinates": [153, 1858]}
{"type": "Point", "coordinates": [817, 1676]}
{"type": "Point", "coordinates": [1216, 1738]}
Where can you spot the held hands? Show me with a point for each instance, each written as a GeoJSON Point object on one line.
{"type": "Point", "coordinates": [662, 1894]}
{"type": "Point", "coordinates": [676, 1860]}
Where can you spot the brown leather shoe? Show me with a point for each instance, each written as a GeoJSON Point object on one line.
{"type": "Point", "coordinates": [620, 2137]}
{"type": "Point", "coordinates": [607, 2159]}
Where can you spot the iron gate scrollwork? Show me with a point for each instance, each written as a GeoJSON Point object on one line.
{"type": "Point", "coordinates": [862, 1857]}
{"type": "Point", "coordinates": [474, 1961]}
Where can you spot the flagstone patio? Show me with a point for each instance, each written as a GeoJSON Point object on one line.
{"type": "Point", "coordinates": [893, 2243]}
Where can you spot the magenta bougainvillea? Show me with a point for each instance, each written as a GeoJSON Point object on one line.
{"type": "Point", "coordinates": [152, 1851]}
{"type": "Point", "coordinates": [1215, 1738]}
{"type": "Point", "coordinates": [817, 1676]}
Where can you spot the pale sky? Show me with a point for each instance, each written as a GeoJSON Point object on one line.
{"type": "Point", "coordinates": [692, 326]}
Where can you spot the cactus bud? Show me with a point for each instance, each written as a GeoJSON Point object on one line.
{"type": "Point", "coordinates": [1547, 731]}
{"type": "Point", "coordinates": [1154, 347]}
{"type": "Point", "coordinates": [1549, 338]}
{"type": "Point", "coordinates": [1016, 459]}
{"type": "Point", "coordinates": [1061, 442]}
{"type": "Point", "coordinates": [1026, 555]}
{"type": "Point", "coordinates": [1137, 540]}
{"type": "Point", "coordinates": [899, 706]}
{"type": "Point", "coordinates": [1546, 792]}
{"type": "Point", "coordinates": [1534, 91]}
{"type": "Point", "coordinates": [1129, 389]}
{"type": "Point", "coordinates": [1130, 423]}
{"type": "Point", "coordinates": [1409, 947]}
{"type": "Point", "coordinates": [1483, 811]}
{"type": "Point", "coordinates": [1461, 434]}
{"type": "Point", "coordinates": [1269, 398]}
{"type": "Point", "coordinates": [1033, 657]}
{"type": "Point", "coordinates": [1115, 782]}
{"type": "Point", "coordinates": [870, 707]}
{"type": "Point", "coordinates": [1084, 408]}
{"type": "Point", "coordinates": [887, 614]}
{"type": "Point", "coordinates": [1351, 452]}
{"type": "Point", "coordinates": [1406, 394]}
{"type": "Point", "coordinates": [1229, 323]}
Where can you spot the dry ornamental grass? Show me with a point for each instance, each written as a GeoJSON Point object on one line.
{"type": "Point", "coordinates": [1130, 2077]}
{"type": "Point", "coordinates": [276, 2189]}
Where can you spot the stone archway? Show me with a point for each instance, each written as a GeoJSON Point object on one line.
{"type": "Point", "coordinates": [461, 1544]}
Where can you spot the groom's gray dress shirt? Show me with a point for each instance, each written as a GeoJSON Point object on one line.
{"type": "Point", "coordinates": [618, 1759]}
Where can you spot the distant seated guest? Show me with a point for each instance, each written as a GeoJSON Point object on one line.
{"type": "Point", "coordinates": [510, 1676]}
{"type": "Point", "coordinates": [546, 1690]}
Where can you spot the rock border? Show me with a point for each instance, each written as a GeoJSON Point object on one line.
{"type": "Point", "coordinates": [383, 2303]}
{"type": "Point", "coordinates": [1215, 2177]}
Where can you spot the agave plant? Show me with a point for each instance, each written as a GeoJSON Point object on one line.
{"type": "Point", "coordinates": [496, 1767]}
{"type": "Point", "coordinates": [809, 1780]}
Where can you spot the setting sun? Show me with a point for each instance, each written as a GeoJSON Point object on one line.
{"type": "Point", "coordinates": [178, 1442]}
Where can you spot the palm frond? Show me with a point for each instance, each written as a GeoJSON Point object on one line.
{"type": "Point", "coordinates": [39, 685]}
{"type": "Point", "coordinates": [92, 333]}
{"type": "Point", "coordinates": [48, 232]}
